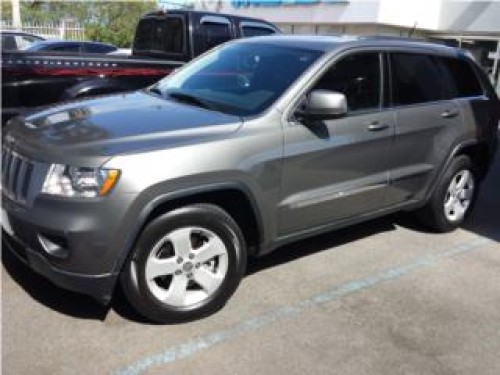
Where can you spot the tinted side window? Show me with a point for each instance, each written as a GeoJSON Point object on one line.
{"type": "Point", "coordinates": [358, 78]}
{"type": "Point", "coordinates": [213, 34]}
{"type": "Point", "coordinates": [160, 35]}
{"type": "Point", "coordinates": [65, 48]}
{"type": "Point", "coordinates": [464, 82]}
{"type": "Point", "coordinates": [98, 48]}
{"type": "Point", "coordinates": [416, 79]}
{"type": "Point", "coordinates": [249, 31]}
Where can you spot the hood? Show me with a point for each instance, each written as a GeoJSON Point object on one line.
{"type": "Point", "coordinates": [116, 124]}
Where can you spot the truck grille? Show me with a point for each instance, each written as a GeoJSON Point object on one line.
{"type": "Point", "coordinates": [16, 175]}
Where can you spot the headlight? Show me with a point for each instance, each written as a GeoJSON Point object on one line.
{"type": "Point", "coordinates": [67, 181]}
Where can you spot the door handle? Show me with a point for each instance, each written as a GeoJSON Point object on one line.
{"type": "Point", "coordinates": [377, 126]}
{"type": "Point", "coordinates": [449, 113]}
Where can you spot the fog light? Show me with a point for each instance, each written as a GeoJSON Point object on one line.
{"type": "Point", "coordinates": [55, 246]}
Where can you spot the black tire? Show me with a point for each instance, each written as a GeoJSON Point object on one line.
{"type": "Point", "coordinates": [432, 215]}
{"type": "Point", "coordinates": [205, 216]}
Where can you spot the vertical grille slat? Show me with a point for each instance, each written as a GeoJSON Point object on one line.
{"type": "Point", "coordinates": [16, 175]}
{"type": "Point", "coordinates": [12, 174]}
{"type": "Point", "coordinates": [26, 182]}
{"type": "Point", "coordinates": [4, 157]}
{"type": "Point", "coordinates": [21, 169]}
{"type": "Point", "coordinates": [4, 161]}
{"type": "Point", "coordinates": [6, 174]}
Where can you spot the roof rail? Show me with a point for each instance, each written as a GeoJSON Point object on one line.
{"type": "Point", "coordinates": [396, 38]}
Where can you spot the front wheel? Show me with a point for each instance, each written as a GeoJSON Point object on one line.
{"type": "Point", "coordinates": [187, 263]}
{"type": "Point", "coordinates": [453, 198]}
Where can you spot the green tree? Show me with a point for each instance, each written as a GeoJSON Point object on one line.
{"type": "Point", "coordinates": [111, 22]}
{"type": "Point", "coordinates": [115, 22]}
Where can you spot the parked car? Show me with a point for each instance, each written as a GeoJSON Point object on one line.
{"type": "Point", "coordinates": [18, 40]}
{"type": "Point", "coordinates": [163, 41]}
{"type": "Point", "coordinates": [168, 190]}
{"type": "Point", "coordinates": [71, 46]}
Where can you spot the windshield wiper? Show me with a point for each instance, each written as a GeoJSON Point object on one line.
{"type": "Point", "coordinates": [188, 98]}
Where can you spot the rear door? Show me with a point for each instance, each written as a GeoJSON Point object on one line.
{"type": "Point", "coordinates": [426, 118]}
{"type": "Point", "coordinates": [338, 169]}
{"type": "Point", "coordinates": [479, 107]}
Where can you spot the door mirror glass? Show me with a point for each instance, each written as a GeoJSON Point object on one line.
{"type": "Point", "coordinates": [323, 105]}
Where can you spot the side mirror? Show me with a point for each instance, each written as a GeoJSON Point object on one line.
{"type": "Point", "coordinates": [323, 105]}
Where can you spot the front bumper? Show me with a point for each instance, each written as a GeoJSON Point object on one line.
{"type": "Point", "coordinates": [99, 287]}
{"type": "Point", "coordinates": [86, 237]}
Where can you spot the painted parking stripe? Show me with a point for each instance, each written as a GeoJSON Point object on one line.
{"type": "Point", "coordinates": [189, 348]}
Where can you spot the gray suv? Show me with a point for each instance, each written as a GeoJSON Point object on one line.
{"type": "Point", "coordinates": [255, 144]}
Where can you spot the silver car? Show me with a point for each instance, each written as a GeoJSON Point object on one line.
{"type": "Point", "coordinates": [255, 144]}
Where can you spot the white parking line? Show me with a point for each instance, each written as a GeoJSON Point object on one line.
{"type": "Point", "coordinates": [189, 348]}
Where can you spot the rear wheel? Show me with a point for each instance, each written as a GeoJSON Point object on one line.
{"type": "Point", "coordinates": [186, 264]}
{"type": "Point", "coordinates": [454, 198]}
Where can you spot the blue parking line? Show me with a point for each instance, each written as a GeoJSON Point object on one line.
{"type": "Point", "coordinates": [189, 348]}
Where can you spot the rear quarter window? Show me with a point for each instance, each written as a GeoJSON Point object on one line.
{"type": "Point", "coordinates": [416, 79]}
{"type": "Point", "coordinates": [463, 81]}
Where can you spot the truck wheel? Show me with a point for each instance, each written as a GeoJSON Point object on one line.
{"type": "Point", "coordinates": [453, 198]}
{"type": "Point", "coordinates": [186, 264]}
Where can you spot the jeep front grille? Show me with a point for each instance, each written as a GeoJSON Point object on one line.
{"type": "Point", "coordinates": [16, 175]}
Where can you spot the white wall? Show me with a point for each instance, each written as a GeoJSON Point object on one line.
{"type": "Point", "coordinates": [424, 13]}
{"type": "Point", "coordinates": [433, 15]}
{"type": "Point", "coordinates": [470, 16]}
{"type": "Point", "coordinates": [354, 11]}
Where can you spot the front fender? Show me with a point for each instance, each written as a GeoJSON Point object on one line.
{"type": "Point", "coordinates": [156, 196]}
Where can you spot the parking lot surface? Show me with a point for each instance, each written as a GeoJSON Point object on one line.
{"type": "Point", "coordinates": [383, 297]}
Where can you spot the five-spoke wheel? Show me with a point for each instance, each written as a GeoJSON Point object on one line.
{"type": "Point", "coordinates": [459, 195]}
{"type": "Point", "coordinates": [453, 197]}
{"type": "Point", "coordinates": [185, 265]}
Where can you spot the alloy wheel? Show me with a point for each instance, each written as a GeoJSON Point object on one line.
{"type": "Point", "coordinates": [459, 195]}
{"type": "Point", "coordinates": [186, 266]}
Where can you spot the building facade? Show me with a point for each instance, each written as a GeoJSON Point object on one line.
{"type": "Point", "coordinates": [474, 25]}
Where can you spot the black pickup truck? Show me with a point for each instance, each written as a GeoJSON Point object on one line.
{"type": "Point", "coordinates": [163, 42]}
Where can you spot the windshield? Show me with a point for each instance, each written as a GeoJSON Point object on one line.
{"type": "Point", "coordinates": [242, 79]}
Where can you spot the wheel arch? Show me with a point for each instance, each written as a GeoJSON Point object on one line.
{"type": "Point", "coordinates": [480, 155]}
{"type": "Point", "coordinates": [235, 198]}
{"type": "Point", "coordinates": [479, 152]}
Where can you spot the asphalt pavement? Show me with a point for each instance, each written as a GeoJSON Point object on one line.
{"type": "Point", "coordinates": [383, 297]}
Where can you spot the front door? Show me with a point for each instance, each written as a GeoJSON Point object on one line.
{"type": "Point", "coordinates": [338, 169]}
